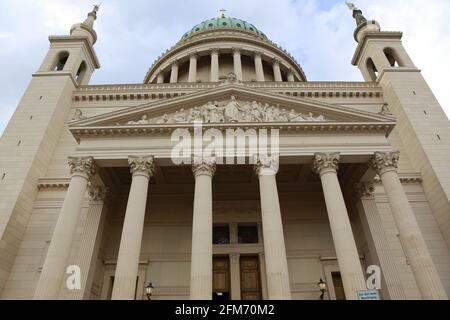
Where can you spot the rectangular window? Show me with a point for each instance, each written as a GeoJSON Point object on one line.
{"type": "Point", "coordinates": [221, 234]}
{"type": "Point", "coordinates": [247, 234]}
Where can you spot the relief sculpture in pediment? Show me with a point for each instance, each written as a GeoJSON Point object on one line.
{"type": "Point", "coordinates": [232, 111]}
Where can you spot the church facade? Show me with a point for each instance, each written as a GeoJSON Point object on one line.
{"type": "Point", "coordinates": [226, 175]}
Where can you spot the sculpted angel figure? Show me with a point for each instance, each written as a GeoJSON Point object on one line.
{"type": "Point", "coordinates": [233, 110]}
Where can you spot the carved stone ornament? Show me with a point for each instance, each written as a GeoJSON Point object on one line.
{"type": "Point", "coordinates": [326, 161]}
{"type": "Point", "coordinates": [267, 165]}
{"type": "Point", "coordinates": [78, 115]}
{"type": "Point", "coordinates": [231, 112]}
{"type": "Point", "coordinates": [82, 166]}
{"type": "Point", "coordinates": [143, 166]}
{"type": "Point", "coordinates": [385, 111]}
{"type": "Point", "coordinates": [98, 193]}
{"type": "Point", "coordinates": [231, 79]}
{"type": "Point", "coordinates": [365, 189]}
{"type": "Point", "coordinates": [203, 166]}
{"type": "Point", "coordinates": [385, 161]}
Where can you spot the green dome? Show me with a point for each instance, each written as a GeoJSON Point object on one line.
{"type": "Point", "coordinates": [224, 23]}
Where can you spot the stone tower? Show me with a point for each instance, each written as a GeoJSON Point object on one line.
{"type": "Point", "coordinates": [28, 142]}
{"type": "Point", "coordinates": [422, 129]}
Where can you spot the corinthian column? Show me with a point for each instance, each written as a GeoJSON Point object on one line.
{"type": "Point", "coordinates": [90, 242]}
{"type": "Point", "coordinates": [201, 256]}
{"type": "Point", "coordinates": [326, 165]}
{"type": "Point", "coordinates": [425, 273]}
{"type": "Point", "coordinates": [277, 71]}
{"type": "Point", "coordinates": [142, 168]}
{"type": "Point", "coordinates": [174, 73]}
{"type": "Point", "coordinates": [215, 65]}
{"type": "Point", "coordinates": [274, 246]}
{"type": "Point", "coordinates": [55, 264]}
{"type": "Point", "coordinates": [193, 67]}
{"type": "Point", "coordinates": [259, 67]}
{"type": "Point", "coordinates": [237, 63]}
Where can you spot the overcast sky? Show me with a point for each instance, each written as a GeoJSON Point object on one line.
{"type": "Point", "coordinates": [132, 34]}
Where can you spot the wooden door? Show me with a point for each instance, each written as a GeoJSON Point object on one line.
{"type": "Point", "coordinates": [250, 278]}
{"type": "Point", "coordinates": [338, 286]}
{"type": "Point", "coordinates": [221, 278]}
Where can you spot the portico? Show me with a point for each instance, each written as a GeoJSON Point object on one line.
{"type": "Point", "coordinates": [211, 198]}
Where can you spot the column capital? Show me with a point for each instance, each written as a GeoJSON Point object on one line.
{"type": "Point", "coordinates": [365, 190]}
{"type": "Point", "coordinates": [234, 257]}
{"type": "Point", "coordinates": [236, 50]}
{"type": "Point", "coordinates": [214, 51]}
{"type": "Point", "coordinates": [326, 162]}
{"type": "Point", "coordinates": [193, 54]}
{"type": "Point", "coordinates": [383, 162]}
{"type": "Point", "coordinates": [98, 193]}
{"type": "Point", "coordinates": [175, 63]}
{"type": "Point", "coordinates": [203, 166]}
{"type": "Point", "coordinates": [82, 166]}
{"type": "Point", "coordinates": [257, 53]}
{"type": "Point", "coordinates": [275, 61]}
{"type": "Point", "coordinates": [142, 166]}
{"type": "Point", "coordinates": [267, 165]}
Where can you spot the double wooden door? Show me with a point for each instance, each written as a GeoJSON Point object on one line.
{"type": "Point", "coordinates": [250, 278]}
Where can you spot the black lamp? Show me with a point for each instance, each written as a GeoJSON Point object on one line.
{"type": "Point", "coordinates": [149, 291]}
{"type": "Point", "coordinates": [323, 287]}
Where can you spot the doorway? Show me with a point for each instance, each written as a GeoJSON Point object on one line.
{"type": "Point", "coordinates": [221, 278]}
{"type": "Point", "coordinates": [250, 278]}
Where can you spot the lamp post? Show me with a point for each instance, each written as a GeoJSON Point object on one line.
{"type": "Point", "coordinates": [322, 286]}
{"type": "Point", "coordinates": [149, 291]}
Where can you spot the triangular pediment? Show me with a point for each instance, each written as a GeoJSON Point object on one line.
{"type": "Point", "coordinates": [230, 104]}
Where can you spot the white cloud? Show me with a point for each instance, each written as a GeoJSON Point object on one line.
{"type": "Point", "coordinates": [133, 33]}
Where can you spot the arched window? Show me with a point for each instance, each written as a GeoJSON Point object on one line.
{"type": "Point", "coordinates": [392, 57]}
{"type": "Point", "coordinates": [373, 72]}
{"type": "Point", "coordinates": [61, 61]}
{"type": "Point", "coordinates": [81, 72]}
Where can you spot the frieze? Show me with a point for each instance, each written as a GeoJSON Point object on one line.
{"type": "Point", "coordinates": [232, 111]}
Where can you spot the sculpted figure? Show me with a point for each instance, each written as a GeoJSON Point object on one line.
{"type": "Point", "coordinates": [180, 116]}
{"type": "Point", "coordinates": [232, 110]}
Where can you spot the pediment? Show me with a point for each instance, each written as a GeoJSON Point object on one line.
{"type": "Point", "coordinates": [231, 104]}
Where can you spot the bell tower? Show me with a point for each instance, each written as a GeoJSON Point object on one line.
{"type": "Point", "coordinates": [29, 140]}
{"type": "Point", "coordinates": [423, 127]}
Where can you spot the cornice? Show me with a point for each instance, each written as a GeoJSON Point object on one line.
{"type": "Point", "coordinates": [53, 183]}
{"type": "Point", "coordinates": [142, 92]}
{"type": "Point", "coordinates": [154, 130]}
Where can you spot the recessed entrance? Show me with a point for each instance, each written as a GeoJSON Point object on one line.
{"type": "Point", "coordinates": [250, 278]}
{"type": "Point", "coordinates": [221, 278]}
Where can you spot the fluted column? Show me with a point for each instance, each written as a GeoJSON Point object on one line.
{"type": "Point", "coordinates": [237, 63]}
{"type": "Point", "coordinates": [290, 76]}
{"type": "Point", "coordinates": [160, 77]}
{"type": "Point", "coordinates": [142, 168]}
{"type": "Point", "coordinates": [214, 65]}
{"type": "Point", "coordinates": [174, 73]}
{"type": "Point", "coordinates": [274, 246]}
{"type": "Point", "coordinates": [90, 242]}
{"type": "Point", "coordinates": [259, 67]}
{"type": "Point", "coordinates": [326, 165]}
{"type": "Point", "coordinates": [193, 67]}
{"type": "Point", "coordinates": [277, 71]}
{"type": "Point", "coordinates": [201, 257]}
{"type": "Point", "coordinates": [377, 242]}
{"type": "Point", "coordinates": [55, 264]}
{"type": "Point", "coordinates": [425, 273]}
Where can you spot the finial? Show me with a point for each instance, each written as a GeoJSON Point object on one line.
{"type": "Point", "coordinates": [222, 13]}
{"type": "Point", "coordinates": [357, 14]}
{"type": "Point", "coordinates": [96, 7]}
{"type": "Point", "coordinates": [351, 6]}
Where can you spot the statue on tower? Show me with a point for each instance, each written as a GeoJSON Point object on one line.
{"type": "Point", "coordinates": [357, 14]}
